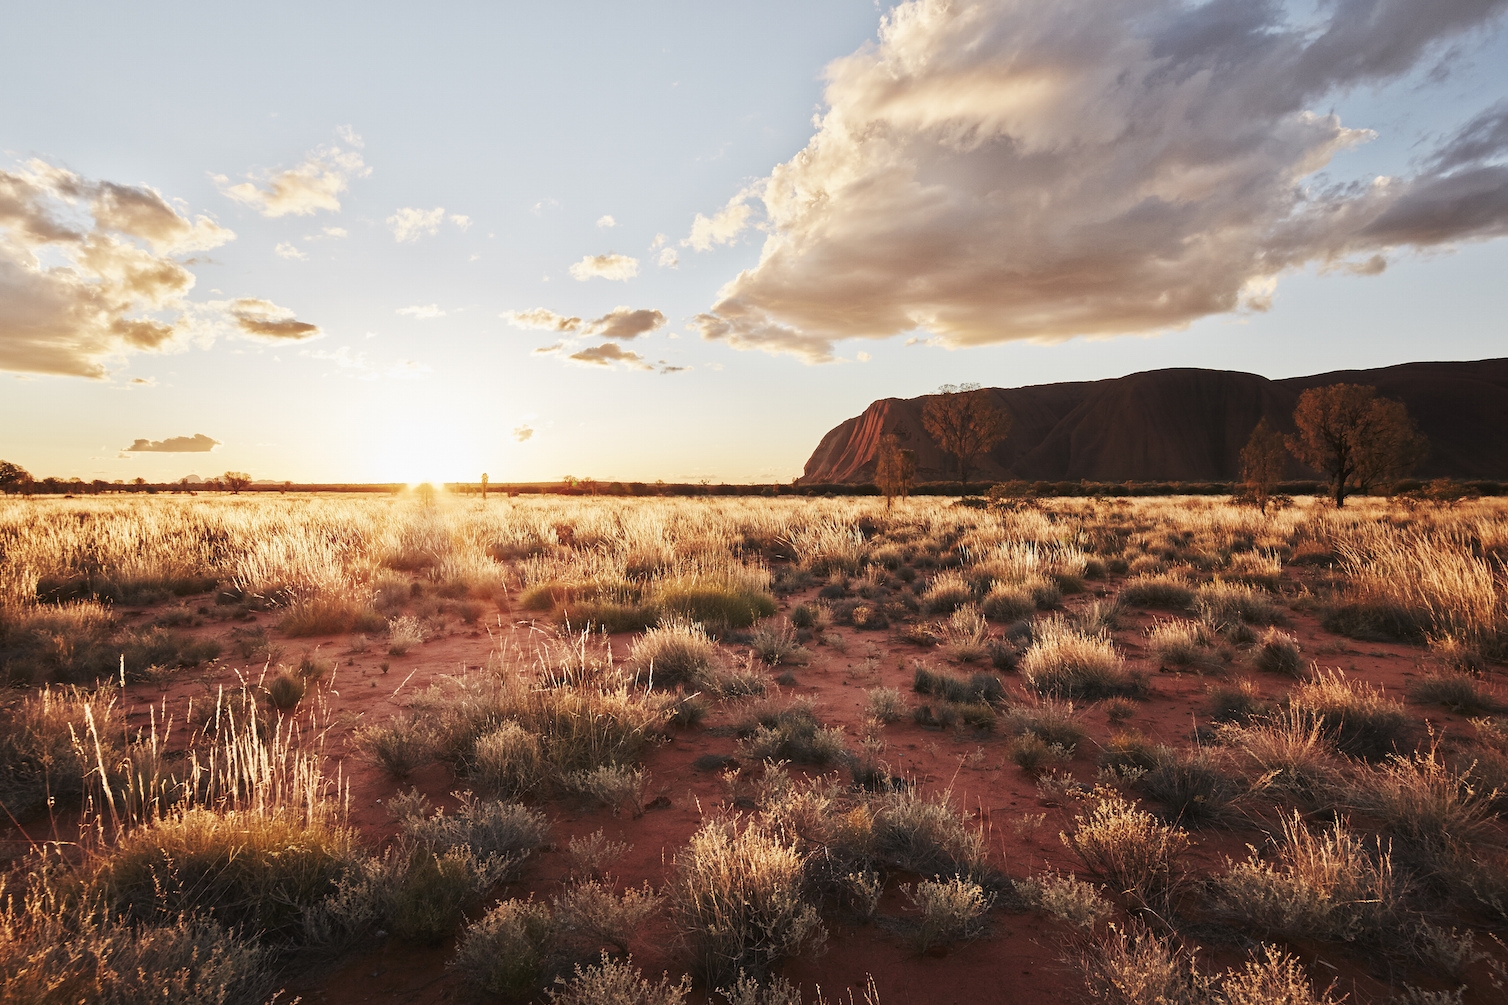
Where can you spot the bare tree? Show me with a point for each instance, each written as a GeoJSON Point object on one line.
{"type": "Point", "coordinates": [1354, 438]}
{"type": "Point", "coordinates": [966, 423]}
{"type": "Point", "coordinates": [235, 481]}
{"type": "Point", "coordinates": [1262, 462]}
{"type": "Point", "coordinates": [895, 468]}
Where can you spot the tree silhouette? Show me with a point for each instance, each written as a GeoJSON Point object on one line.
{"type": "Point", "coordinates": [966, 423]}
{"type": "Point", "coordinates": [1354, 438]}
{"type": "Point", "coordinates": [13, 477]}
{"type": "Point", "coordinates": [895, 468]}
{"type": "Point", "coordinates": [1262, 462]}
{"type": "Point", "coordinates": [235, 481]}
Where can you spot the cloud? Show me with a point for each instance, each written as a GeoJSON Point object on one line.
{"type": "Point", "coordinates": [541, 319]}
{"type": "Point", "coordinates": [315, 184]}
{"type": "Point", "coordinates": [422, 312]}
{"type": "Point", "coordinates": [287, 249]}
{"type": "Point", "coordinates": [196, 444]}
{"type": "Point", "coordinates": [668, 259]}
{"type": "Point", "coordinates": [144, 381]}
{"type": "Point", "coordinates": [994, 170]}
{"type": "Point", "coordinates": [606, 221]}
{"type": "Point", "coordinates": [553, 347]}
{"type": "Point", "coordinates": [410, 224]}
{"type": "Point", "coordinates": [724, 226]}
{"type": "Point", "coordinates": [78, 288]}
{"type": "Point", "coordinates": [625, 323]}
{"type": "Point", "coordinates": [609, 353]}
{"type": "Point", "coordinates": [266, 320]}
{"type": "Point", "coordinates": [461, 220]}
{"type": "Point", "coordinates": [335, 232]}
{"type": "Point", "coordinates": [522, 433]}
{"type": "Point", "coordinates": [609, 266]}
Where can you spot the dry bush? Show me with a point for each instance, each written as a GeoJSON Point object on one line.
{"type": "Point", "coordinates": [1034, 756]}
{"type": "Point", "coordinates": [1288, 753]}
{"type": "Point", "coordinates": [735, 598]}
{"type": "Point", "coordinates": [979, 687]}
{"type": "Point", "coordinates": [508, 760]}
{"type": "Point", "coordinates": [951, 910]}
{"type": "Point", "coordinates": [491, 828]}
{"type": "Point", "coordinates": [1066, 898]}
{"type": "Point", "coordinates": [1278, 652]}
{"type": "Point", "coordinates": [1128, 848]}
{"type": "Point", "coordinates": [770, 730]}
{"type": "Point", "coordinates": [676, 651]}
{"type": "Point", "coordinates": [591, 854]}
{"type": "Point", "coordinates": [1355, 716]}
{"type": "Point", "coordinates": [925, 835]}
{"type": "Point", "coordinates": [509, 950]}
{"type": "Point", "coordinates": [1192, 784]}
{"type": "Point", "coordinates": [1458, 692]}
{"type": "Point", "coordinates": [777, 646]}
{"type": "Point", "coordinates": [739, 898]}
{"type": "Point", "coordinates": [51, 740]}
{"type": "Point", "coordinates": [1063, 662]}
{"type": "Point", "coordinates": [403, 634]}
{"type": "Point", "coordinates": [1052, 722]}
{"type": "Point", "coordinates": [884, 704]}
{"type": "Point", "coordinates": [1238, 702]}
{"type": "Point", "coordinates": [615, 786]}
{"type": "Point", "coordinates": [1007, 602]}
{"type": "Point", "coordinates": [1186, 645]}
{"type": "Point", "coordinates": [1221, 603]}
{"type": "Point", "coordinates": [610, 982]}
{"type": "Point", "coordinates": [966, 635]}
{"type": "Point", "coordinates": [1161, 590]}
{"type": "Point", "coordinates": [286, 690]}
{"type": "Point", "coordinates": [1437, 810]}
{"type": "Point", "coordinates": [947, 592]}
{"type": "Point", "coordinates": [398, 747]}
{"type": "Point", "coordinates": [323, 614]}
{"type": "Point", "coordinates": [1328, 886]}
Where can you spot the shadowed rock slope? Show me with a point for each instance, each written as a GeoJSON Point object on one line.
{"type": "Point", "coordinates": [1181, 425]}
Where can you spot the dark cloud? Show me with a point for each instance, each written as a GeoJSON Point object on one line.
{"type": "Point", "coordinates": [995, 170]}
{"type": "Point", "coordinates": [196, 444]}
{"type": "Point", "coordinates": [624, 323]}
{"type": "Point", "coordinates": [264, 319]}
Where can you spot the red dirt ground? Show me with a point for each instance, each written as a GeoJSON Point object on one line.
{"type": "Point", "coordinates": [1019, 961]}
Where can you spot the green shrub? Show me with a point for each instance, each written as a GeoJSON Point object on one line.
{"type": "Point", "coordinates": [286, 690]}
{"type": "Point", "coordinates": [733, 604]}
{"type": "Point", "coordinates": [509, 951]}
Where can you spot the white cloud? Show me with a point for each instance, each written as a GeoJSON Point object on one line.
{"type": "Point", "coordinates": [335, 232]}
{"type": "Point", "coordinates": [315, 184]}
{"type": "Point", "coordinates": [724, 226]}
{"type": "Point", "coordinates": [522, 433]}
{"type": "Point", "coordinates": [609, 266]}
{"type": "Point", "coordinates": [668, 259]}
{"type": "Point", "coordinates": [862, 357]}
{"type": "Point", "coordinates": [351, 137]}
{"type": "Point", "coordinates": [995, 170]}
{"type": "Point", "coordinates": [75, 293]}
{"type": "Point", "coordinates": [541, 319]}
{"type": "Point", "coordinates": [410, 224]}
{"type": "Point", "coordinates": [287, 249]}
{"type": "Point", "coordinates": [606, 221]}
{"type": "Point", "coordinates": [460, 220]}
{"type": "Point", "coordinates": [422, 312]}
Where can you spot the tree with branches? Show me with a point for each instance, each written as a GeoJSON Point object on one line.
{"type": "Point", "coordinates": [235, 481]}
{"type": "Point", "coordinates": [1262, 462]}
{"type": "Point", "coordinates": [967, 423]}
{"type": "Point", "coordinates": [13, 477]}
{"type": "Point", "coordinates": [1354, 438]}
{"type": "Point", "coordinates": [895, 468]}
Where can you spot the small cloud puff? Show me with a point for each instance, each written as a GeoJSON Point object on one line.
{"type": "Point", "coordinates": [609, 266]}
{"type": "Point", "coordinates": [619, 323]}
{"type": "Point", "coordinates": [422, 312]}
{"type": "Point", "coordinates": [541, 319]}
{"type": "Point", "coordinates": [609, 353]}
{"type": "Point", "coordinates": [287, 249]}
{"type": "Point", "coordinates": [315, 184]}
{"type": "Point", "coordinates": [724, 226]}
{"type": "Point", "coordinates": [461, 220]}
{"type": "Point", "coordinates": [606, 221]}
{"type": "Point", "coordinates": [410, 224]}
{"type": "Point", "coordinates": [668, 259]}
{"type": "Point", "coordinates": [265, 319]}
{"type": "Point", "coordinates": [196, 444]}
{"type": "Point", "coordinates": [522, 433]}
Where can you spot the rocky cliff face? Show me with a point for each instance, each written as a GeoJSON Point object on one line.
{"type": "Point", "coordinates": [1181, 425]}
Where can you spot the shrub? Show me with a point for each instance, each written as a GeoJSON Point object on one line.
{"type": "Point", "coordinates": [734, 603]}
{"type": "Point", "coordinates": [508, 760]}
{"type": "Point", "coordinates": [1328, 887]}
{"type": "Point", "coordinates": [1191, 784]}
{"type": "Point", "coordinates": [425, 892]}
{"type": "Point", "coordinates": [1065, 663]}
{"type": "Point", "coordinates": [509, 950]}
{"type": "Point", "coordinates": [490, 828]}
{"type": "Point", "coordinates": [1034, 756]}
{"type": "Point", "coordinates": [1289, 753]}
{"type": "Point", "coordinates": [1052, 722]}
{"type": "Point", "coordinates": [47, 746]}
{"type": "Point", "coordinates": [925, 835]}
{"type": "Point", "coordinates": [1008, 602]}
{"type": "Point", "coordinates": [399, 747]}
{"type": "Point", "coordinates": [739, 900]}
{"type": "Point", "coordinates": [261, 869]}
{"type": "Point", "coordinates": [1278, 653]}
{"type": "Point", "coordinates": [675, 652]}
{"type": "Point", "coordinates": [1424, 802]}
{"type": "Point", "coordinates": [884, 704]}
{"type": "Point", "coordinates": [947, 592]}
{"type": "Point", "coordinates": [322, 614]}
{"type": "Point", "coordinates": [1130, 754]}
{"type": "Point", "coordinates": [612, 983]}
{"type": "Point", "coordinates": [1162, 590]}
{"type": "Point", "coordinates": [1221, 603]}
{"type": "Point", "coordinates": [1128, 848]}
{"type": "Point", "coordinates": [1455, 691]}
{"type": "Point", "coordinates": [979, 687]}
{"type": "Point", "coordinates": [1118, 710]}
{"type": "Point", "coordinates": [951, 909]}
{"type": "Point", "coordinates": [777, 646]}
{"type": "Point", "coordinates": [591, 854]}
{"type": "Point", "coordinates": [286, 690]}
{"type": "Point", "coordinates": [1132, 965]}
{"type": "Point", "coordinates": [1066, 898]}
{"type": "Point", "coordinates": [1238, 703]}
{"type": "Point", "coordinates": [592, 912]}
{"type": "Point", "coordinates": [1354, 716]}
{"type": "Point", "coordinates": [965, 635]}
{"type": "Point", "coordinates": [403, 634]}
{"type": "Point", "coordinates": [1184, 644]}
{"type": "Point", "coordinates": [611, 785]}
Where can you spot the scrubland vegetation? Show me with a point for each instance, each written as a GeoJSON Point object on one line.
{"type": "Point", "coordinates": [1274, 735]}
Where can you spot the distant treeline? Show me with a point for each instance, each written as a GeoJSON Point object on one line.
{"type": "Point", "coordinates": [78, 487]}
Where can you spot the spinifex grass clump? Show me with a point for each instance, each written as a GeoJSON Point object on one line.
{"type": "Point", "coordinates": [1129, 848]}
{"type": "Point", "coordinates": [772, 730]}
{"type": "Point", "coordinates": [1063, 662]}
{"type": "Point", "coordinates": [1357, 717]}
{"type": "Point", "coordinates": [676, 651]}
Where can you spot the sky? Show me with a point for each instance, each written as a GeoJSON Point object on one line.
{"type": "Point", "coordinates": [379, 242]}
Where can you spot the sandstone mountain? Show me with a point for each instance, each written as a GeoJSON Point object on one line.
{"type": "Point", "coordinates": [1181, 425]}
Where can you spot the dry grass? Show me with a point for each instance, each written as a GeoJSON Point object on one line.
{"type": "Point", "coordinates": [1063, 662]}
{"type": "Point", "coordinates": [1355, 716]}
{"type": "Point", "coordinates": [1129, 848]}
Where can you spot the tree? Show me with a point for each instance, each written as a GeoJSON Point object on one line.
{"type": "Point", "coordinates": [966, 423]}
{"type": "Point", "coordinates": [1262, 462]}
{"type": "Point", "coordinates": [13, 477]}
{"type": "Point", "coordinates": [1354, 438]}
{"type": "Point", "coordinates": [235, 481]}
{"type": "Point", "coordinates": [895, 468]}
